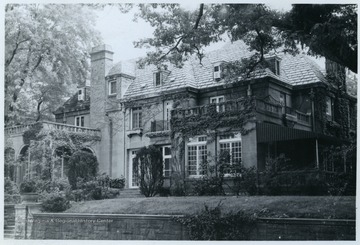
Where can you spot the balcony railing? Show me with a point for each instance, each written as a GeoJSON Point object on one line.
{"type": "Point", "coordinates": [238, 105]}
{"type": "Point", "coordinates": [71, 128]}
{"type": "Point", "coordinates": [52, 125]}
{"type": "Point", "coordinates": [18, 129]}
{"type": "Point", "coordinates": [160, 125]}
{"type": "Point", "coordinates": [297, 114]}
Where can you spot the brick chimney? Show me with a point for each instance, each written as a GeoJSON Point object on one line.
{"type": "Point", "coordinates": [336, 73]}
{"type": "Point", "coordinates": [101, 62]}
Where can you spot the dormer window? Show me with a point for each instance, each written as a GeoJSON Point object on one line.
{"type": "Point", "coordinates": [217, 72]}
{"type": "Point", "coordinates": [81, 94]}
{"type": "Point", "coordinates": [273, 63]}
{"type": "Point", "coordinates": [112, 87]}
{"type": "Point", "coordinates": [158, 78]}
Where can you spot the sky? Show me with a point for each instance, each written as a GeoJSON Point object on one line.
{"type": "Point", "coordinates": [119, 30]}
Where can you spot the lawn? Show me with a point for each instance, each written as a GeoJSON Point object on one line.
{"type": "Point", "coordinates": [264, 206]}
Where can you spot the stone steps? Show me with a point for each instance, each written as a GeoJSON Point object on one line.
{"type": "Point", "coordinates": [9, 222]}
{"type": "Point", "coordinates": [130, 193]}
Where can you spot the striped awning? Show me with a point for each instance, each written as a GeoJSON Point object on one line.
{"type": "Point", "coordinates": [266, 132]}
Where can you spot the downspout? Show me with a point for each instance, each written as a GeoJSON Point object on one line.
{"type": "Point", "coordinates": [111, 146]}
{"type": "Point", "coordinates": [124, 145]}
{"type": "Point", "coordinates": [314, 128]}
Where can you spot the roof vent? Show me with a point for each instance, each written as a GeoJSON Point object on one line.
{"type": "Point", "coordinates": [172, 79]}
{"type": "Point", "coordinates": [143, 85]}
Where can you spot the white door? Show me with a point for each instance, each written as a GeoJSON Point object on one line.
{"type": "Point", "coordinates": [134, 176]}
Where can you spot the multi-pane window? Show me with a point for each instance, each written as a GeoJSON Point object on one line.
{"type": "Point", "coordinates": [112, 87]}
{"type": "Point", "coordinates": [136, 118]}
{"type": "Point", "coordinates": [167, 114]}
{"type": "Point", "coordinates": [231, 144]}
{"type": "Point", "coordinates": [80, 121]}
{"type": "Point", "coordinates": [217, 72]}
{"type": "Point", "coordinates": [197, 157]}
{"type": "Point", "coordinates": [166, 152]}
{"type": "Point", "coordinates": [217, 100]}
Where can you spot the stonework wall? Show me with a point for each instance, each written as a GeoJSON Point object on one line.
{"type": "Point", "coordinates": [106, 227]}
{"type": "Point", "coordinates": [162, 227]}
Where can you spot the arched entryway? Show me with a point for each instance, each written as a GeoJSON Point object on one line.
{"type": "Point", "coordinates": [23, 162]}
{"type": "Point", "coordinates": [62, 156]}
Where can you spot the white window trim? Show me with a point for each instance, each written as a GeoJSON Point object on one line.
{"type": "Point", "coordinates": [160, 77]}
{"type": "Point", "coordinates": [79, 121]}
{"type": "Point", "coordinates": [217, 102]}
{"type": "Point", "coordinates": [197, 144]}
{"type": "Point", "coordinates": [132, 119]}
{"type": "Point", "coordinates": [166, 157]}
{"type": "Point", "coordinates": [109, 87]}
{"type": "Point", "coordinates": [232, 140]}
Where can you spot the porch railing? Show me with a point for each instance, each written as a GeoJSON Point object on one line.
{"type": "Point", "coordinates": [52, 125]}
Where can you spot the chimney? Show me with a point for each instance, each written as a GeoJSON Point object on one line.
{"type": "Point", "coordinates": [336, 73]}
{"type": "Point", "coordinates": [101, 62]}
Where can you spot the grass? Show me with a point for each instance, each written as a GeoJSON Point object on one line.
{"type": "Point", "coordinates": [264, 206]}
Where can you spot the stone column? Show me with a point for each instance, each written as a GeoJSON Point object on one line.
{"type": "Point", "coordinates": [20, 221]}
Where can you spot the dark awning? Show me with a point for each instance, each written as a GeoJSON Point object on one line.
{"type": "Point", "coordinates": [266, 132]}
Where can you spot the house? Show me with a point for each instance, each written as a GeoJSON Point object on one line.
{"type": "Point", "coordinates": [289, 108]}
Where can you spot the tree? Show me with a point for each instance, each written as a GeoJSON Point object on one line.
{"type": "Point", "coordinates": [46, 50]}
{"type": "Point", "coordinates": [181, 33]}
{"type": "Point", "coordinates": [150, 164]}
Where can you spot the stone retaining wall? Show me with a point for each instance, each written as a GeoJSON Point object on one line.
{"type": "Point", "coordinates": [162, 227]}
{"type": "Point", "coordinates": [106, 227]}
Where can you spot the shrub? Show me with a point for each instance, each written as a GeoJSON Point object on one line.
{"type": "Point", "coordinates": [93, 190]}
{"type": "Point", "coordinates": [81, 164]}
{"type": "Point", "coordinates": [118, 183]}
{"type": "Point", "coordinates": [208, 186]}
{"type": "Point", "coordinates": [28, 186]}
{"type": "Point", "coordinates": [55, 202]}
{"type": "Point", "coordinates": [150, 164]}
{"type": "Point", "coordinates": [211, 224]}
{"type": "Point", "coordinates": [10, 187]}
{"type": "Point", "coordinates": [245, 180]}
{"type": "Point", "coordinates": [177, 185]}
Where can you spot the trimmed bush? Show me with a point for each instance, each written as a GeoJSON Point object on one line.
{"type": "Point", "coordinates": [28, 186]}
{"type": "Point", "coordinates": [10, 187]}
{"type": "Point", "coordinates": [82, 164]}
{"type": "Point", "coordinates": [55, 202]}
{"type": "Point", "coordinates": [150, 168]}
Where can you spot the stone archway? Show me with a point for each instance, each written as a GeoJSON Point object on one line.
{"type": "Point", "coordinates": [23, 164]}
{"type": "Point", "coordinates": [62, 155]}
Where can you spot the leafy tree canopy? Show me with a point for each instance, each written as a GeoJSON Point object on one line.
{"type": "Point", "coordinates": [326, 30]}
{"type": "Point", "coordinates": [46, 50]}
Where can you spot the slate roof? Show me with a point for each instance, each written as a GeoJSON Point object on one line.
{"type": "Point", "coordinates": [72, 104]}
{"type": "Point", "coordinates": [295, 70]}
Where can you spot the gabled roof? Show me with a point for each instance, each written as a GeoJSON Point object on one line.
{"type": "Point", "coordinates": [295, 70]}
{"type": "Point", "coordinates": [73, 104]}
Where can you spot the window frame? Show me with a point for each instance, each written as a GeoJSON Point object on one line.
{"type": "Point", "coordinates": [81, 121]}
{"type": "Point", "coordinates": [217, 98]}
{"type": "Point", "coordinates": [197, 144]}
{"type": "Point", "coordinates": [218, 68]}
{"type": "Point", "coordinates": [136, 111]}
{"type": "Point", "coordinates": [110, 87]}
{"type": "Point", "coordinates": [329, 107]}
{"type": "Point", "coordinates": [236, 138]}
{"type": "Point", "coordinates": [166, 157]}
{"type": "Point", "coordinates": [158, 74]}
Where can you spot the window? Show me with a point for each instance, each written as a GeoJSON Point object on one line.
{"type": "Point", "coordinates": [80, 95]}
{"type": "Point", "coordinates": [158, 78]}
{"type": "Point", "coordinates": [197, 157]}
{"type": "Point", "coordinates": [217, 72]}
{"type": "Point", "coordinates": [330, 107]}
{"type": "Point", "coordinates": [167, 114]}
{"type": "Point", "coordinates": [112, 87]}
{"type": "Point", "coordinates": [166, 153]}
{"type": "Point", "coordinates": [217, 100]}
{"type": "Point", "coordinates": [232, 145]}
{"type": "Point", "coordinates": [277, 67]}
{"type": "Point", "coordinates": [136, 118]}
{"type": "Point", "coordinates": [80, 121]}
